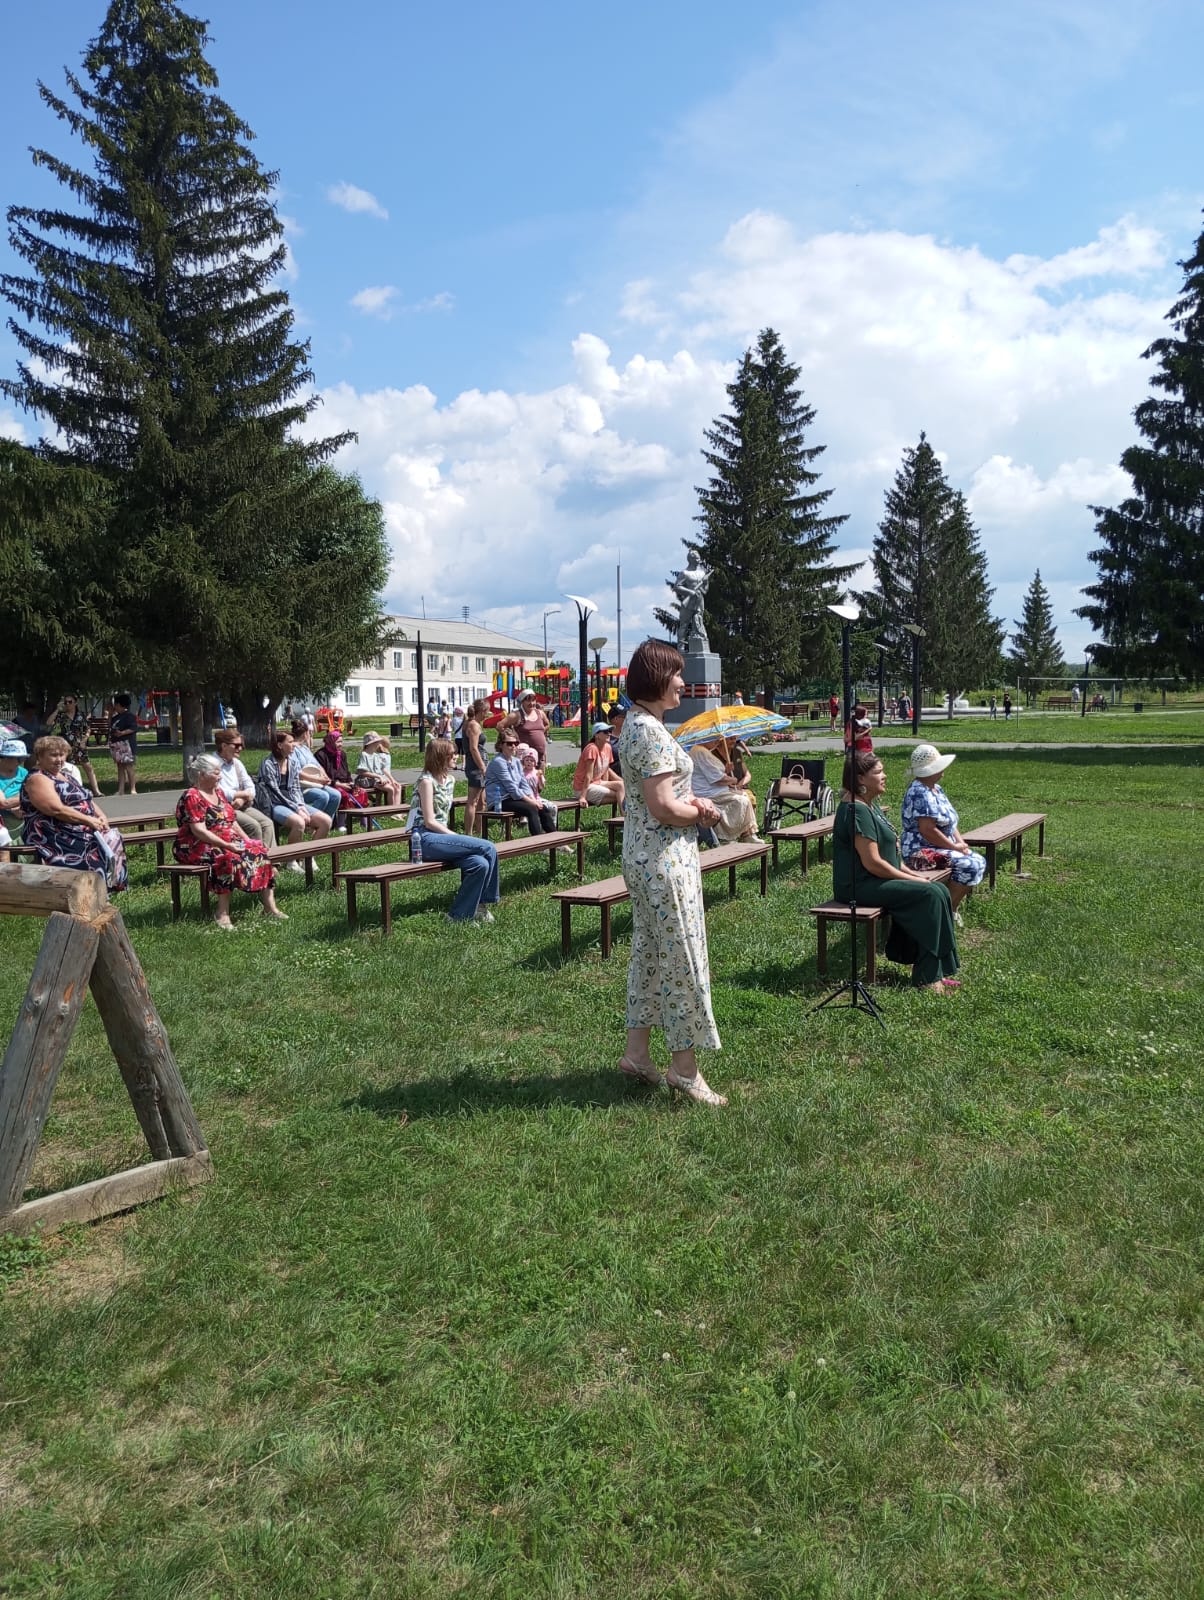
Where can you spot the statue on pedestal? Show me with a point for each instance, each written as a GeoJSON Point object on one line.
{"type": "Point", "coordinates": [690, 589]}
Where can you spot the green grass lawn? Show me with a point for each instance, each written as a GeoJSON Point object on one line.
{"type": "Point", "coordinates": [463, 1313]}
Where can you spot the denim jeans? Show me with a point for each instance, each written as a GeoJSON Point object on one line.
{"type": "Point", "coordinates": [477, 861]}
{"type": "Point", "coordinates": [324, 799]}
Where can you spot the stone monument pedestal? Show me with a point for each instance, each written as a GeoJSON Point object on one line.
{"type": "Point", "coordinates": [703, 689]}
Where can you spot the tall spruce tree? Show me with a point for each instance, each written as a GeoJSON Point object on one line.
{"type": "Point", "coordinates": [1034, 651]}
{"type": "Point", "coordinates": [166, 361]}
{"type": "Point", "coordinates": [930, 571]}
{"type": "Point", "coordinates": [1148, 602]}
{"type": "Point", "coordinates": [765, 537]}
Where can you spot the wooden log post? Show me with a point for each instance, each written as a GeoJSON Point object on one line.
{"type": "Point", "coordinates": [139, 1042]}
{"type": "Point", "coordinates": [35, 1053]}
{"type": "Point", "coordinates": [38, 891]}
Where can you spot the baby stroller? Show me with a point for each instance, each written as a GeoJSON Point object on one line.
{"type": "Point", "coordinates": [801, 794]}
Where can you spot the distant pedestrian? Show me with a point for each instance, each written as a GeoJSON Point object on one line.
{"type": "Point", "coordinates": [833, 712]}
{"type": "Point", "coordinates": [1007, 706]}
{"type": "Point", "coordinates": [994, 709]}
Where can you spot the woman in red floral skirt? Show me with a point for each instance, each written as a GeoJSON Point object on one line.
{"type": "Point", "coordinates": [209, 836]}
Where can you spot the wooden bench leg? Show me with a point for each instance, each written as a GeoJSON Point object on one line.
{"type": "Point", "coordinates": [581, 858]}
{"type": "Point", "coordinates": [204, 880]}
{"type": "Point", "coordinates": [334, 868]}
{"type": "Point", "coordinates": [605, 932]}
{"type": "Point", "coordinates": [508, 826]}
{"type": "Point", "coordinates": [731, 879]}
{"type": "Point", "coordinates": [806, 854]}
{"type": "Point", "coordinates": [175, 898]}
{"type": "Point", "coordinates": [821, 950]}
{"type": "Point", "coordinates": [871, 952]}
{"type": "Point", "coordinates": [386, 906]}
{"type": "Point", "coordinates": [775, 854]}
{"type": "Point", "coordinates": [991, 866]}
{"type": "Point", "coordinates": [552, 862]}
{"type": "Point", "coordinates": [819, 844]}
{"type": "Point", "coordinates": [764, 876]}
{"type": "Point", "coordinates": [352, 911]}
{"type": "Point", "coordinates": [566, 927]}
{"type": "Point", "coordinates": [1040, 838]}
{"type": "Point", "coordinates": [309, 872]}
{"type": "Point", "coordinates": [159, 856]}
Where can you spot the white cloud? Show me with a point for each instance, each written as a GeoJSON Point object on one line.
{"type": "Point", "coordinates": [356, 200]}
{"type": "Point", "coordinates": [1024, 376]}
{"type": "Point", "coordinates": [376, 302]}
{"type": "Point", "coordinates": [11, 427]}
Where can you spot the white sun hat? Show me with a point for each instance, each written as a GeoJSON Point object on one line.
{"type": "Point", "coordinates": [926, 761]}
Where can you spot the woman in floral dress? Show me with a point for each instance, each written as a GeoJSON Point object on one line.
{"type": "Point", "coordinates": [62, 821]}
{"type": "Point", "coordinates": [209, 836]}
{"type": "Point", "coordinates": [669, 978]}
{"type": "Point", "coordinates": [930, 826]}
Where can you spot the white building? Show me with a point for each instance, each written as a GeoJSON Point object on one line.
{"type": "Point", "coordinates": [459, 661]}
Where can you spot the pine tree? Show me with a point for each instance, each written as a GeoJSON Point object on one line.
{"type": "Point", "coordinates": [167, 361]}
{"type": "Point", "coordinates": [930, 571]}
{"type": "Point", "coordinates": [764, 536]}
{"type": "Point", "coordinates": [1148, 602]}
{"type": "Point", "coordinates": [1035, 651]}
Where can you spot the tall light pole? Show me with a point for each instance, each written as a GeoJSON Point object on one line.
{"type": "Point", "coordinates": [848, 616]}
{"type": "Point", "coordinates": [881, 649]}
{"type": "Point", "coordinates": [917, 633]}
{"type": "Point", "coordinates": [554, 612]}
{"type": "Point", "coordinates": [596, 645]}
{"type": "Point", "coordinates": [585, 609]}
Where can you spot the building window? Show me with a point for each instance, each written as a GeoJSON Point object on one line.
{"type": "Point", "coordinates": [379, 662]}
{"type": "Point", "coordinates": [480, 663]}
{"type": "Point", "coordinates": [432, 663]}
{"type": "Point", "coordinates": [413, 661]}
{"type": "Point", "coordinates": [463, 663]}
{"type": "Point", "coordinates": [351, 694]}
{"type": "Point", "coordinates": [397, 661]}
{"type": "Point", "coordinates": [380, 694]}
{"type": "Point", "coordinates": [398, 697]}
{"type": "Point", "coordinates": [414, 695]}
{"type": "Point", "coordinates": [496, 664]}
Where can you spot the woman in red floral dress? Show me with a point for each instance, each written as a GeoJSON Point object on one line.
{"type": "Point", "coordinates": [209, 836]}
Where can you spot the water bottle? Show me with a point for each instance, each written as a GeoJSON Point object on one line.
{"type": "Point", "coordinates": [416, 845]}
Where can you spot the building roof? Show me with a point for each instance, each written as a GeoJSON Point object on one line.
{"type": "Point", "coordinates": [464, 636]}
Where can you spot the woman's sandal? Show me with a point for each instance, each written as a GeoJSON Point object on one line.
{"type": "Point", "coordinates": [695, 1088]}
{"type": "Point", "coordinates": [951, 983]}
{"type": "Point", "coordinates": [645, 1071]}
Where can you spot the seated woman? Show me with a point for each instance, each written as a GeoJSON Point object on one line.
{"type": "Point", "coordinates": [434, 839]}
{"type": "Point", "coordinates": [930, 826]}
{"type": "Point", "coordinates": [62, 821]}
{"type": "Point", "coordinates": [235, 783]}
{"type": "Point", "coordinates": [209, 835]}
{"type": "Point", "coordinates": [278, 795]}
{"type": "Point", "coordinates": [506, 789]}
{"type": "Point", "coordinates": [374, 771]}
{"type": "Point", "coordinates": [714, 780]}
{"type": "Point", "coordinates": [332, 759]}
{"type": "Point", "coordinates": [866, 867]}
{"type": "Point", "coordinates": [595, 783]}
{"type": "Point", "coordinates": [13, 773]}
{"type": "Point", "coordinates": [315, 791]}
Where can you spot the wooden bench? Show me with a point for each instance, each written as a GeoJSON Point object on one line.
{"type": "Point", "coordinates": [804, 832]}
{"type": "Point", "coordinates": [867, 917]}
{"type": "Point", "coordinates": [614, 827]}
{"type": "Point", "coordinates": [143, 819]}
{"type": "Point", "coordinates": [156, 836]}
{"type": "Point", "coordinates": [1059, 702]}
{"type": "Point", "coordinates": [333, 846]}
{"type": "Point", "coordinates": [506, 818]}
{"type": "Point", "coordinates": [610, 892]}
{"type": "Point", "coordinates": [350, 815]}
{"type": "Point", "coordinates": [1008, 830]}
{"type": "Point", "coordinates": [384, 877]}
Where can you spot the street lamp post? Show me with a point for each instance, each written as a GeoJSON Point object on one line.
{"type": "Point", "coordinates": [585, 609]}
{"type": "Point", "coordinates": [596, 645]}
{"type": "Point", "coordinates": [917, 633]}
{"type": "Point", "coordinates": [554, 612]}
{"type": "Point", "coordinates": [848, 616]}
{"type": "Point", "coordinates": [881, 649]}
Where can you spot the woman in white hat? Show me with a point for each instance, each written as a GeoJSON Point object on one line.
{"type": "Point", "coordinates": [930, 826]}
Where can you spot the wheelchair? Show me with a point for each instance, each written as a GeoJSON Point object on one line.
{"type": "Point", "coordinates": [801, 794]}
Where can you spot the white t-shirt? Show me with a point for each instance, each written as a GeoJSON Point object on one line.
{"type": "Point", "coordinates": [233, 777]}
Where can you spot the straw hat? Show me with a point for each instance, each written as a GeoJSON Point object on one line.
{"type": "Point", "coordinates": [926, 761]}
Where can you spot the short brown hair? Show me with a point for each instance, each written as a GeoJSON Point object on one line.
{"type": "Point", "coordinates": [652, 668]}
{"type": "Point", "coordinates": [857, 764]}
{"type": "Point", "coordinates": [278, 738]}
{"type": "Point", "coordinates": [440, 754]}
{"type": "Point", "coordinates": [50, 745]}
{"type": "Point", "coordinates": [300, 727]}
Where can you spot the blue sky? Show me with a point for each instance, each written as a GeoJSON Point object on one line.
{"type": "Point", "coordinates": [530, 243]}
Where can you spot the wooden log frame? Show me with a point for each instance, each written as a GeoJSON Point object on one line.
{"type": "Point", "coordinates": [86, 944]}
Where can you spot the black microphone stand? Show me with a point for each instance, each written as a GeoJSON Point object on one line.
{"type": "Point", "coordinates": [860, 998]}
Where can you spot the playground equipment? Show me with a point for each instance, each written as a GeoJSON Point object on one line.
{"type": "Point", "coordinates": [86, 946]}
{"type": "Point", "coordinates": [551, 686]}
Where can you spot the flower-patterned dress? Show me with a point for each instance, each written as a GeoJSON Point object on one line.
{"type": "Point", "coordinates": [920, 801]}
{"type": "Point", "coordinates": [669, 977]}
{"type": "Point", "coordinates": [244, 865]}
{"type": "Point", "coordinates": [60, 843]}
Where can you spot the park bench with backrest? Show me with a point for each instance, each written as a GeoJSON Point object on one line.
{"type": "Point", "coordinates": [385, 876]}
{"type": "Point", "coordinates": [819, 830]}
{"type": "Point", "coordinates": [867, 917]}
{"type": "Point", "coordinates": [1059, 702]}
{"type": "Point", "coordinates": [610, 892]}
{"type": "Point", "coordinates": [1007, 830]}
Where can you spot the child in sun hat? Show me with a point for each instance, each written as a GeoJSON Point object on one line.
{"type": "Point", "coordinates": [374, 771]}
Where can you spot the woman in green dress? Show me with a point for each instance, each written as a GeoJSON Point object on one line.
{"type": "Point", "coordinates": [866, 867]}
